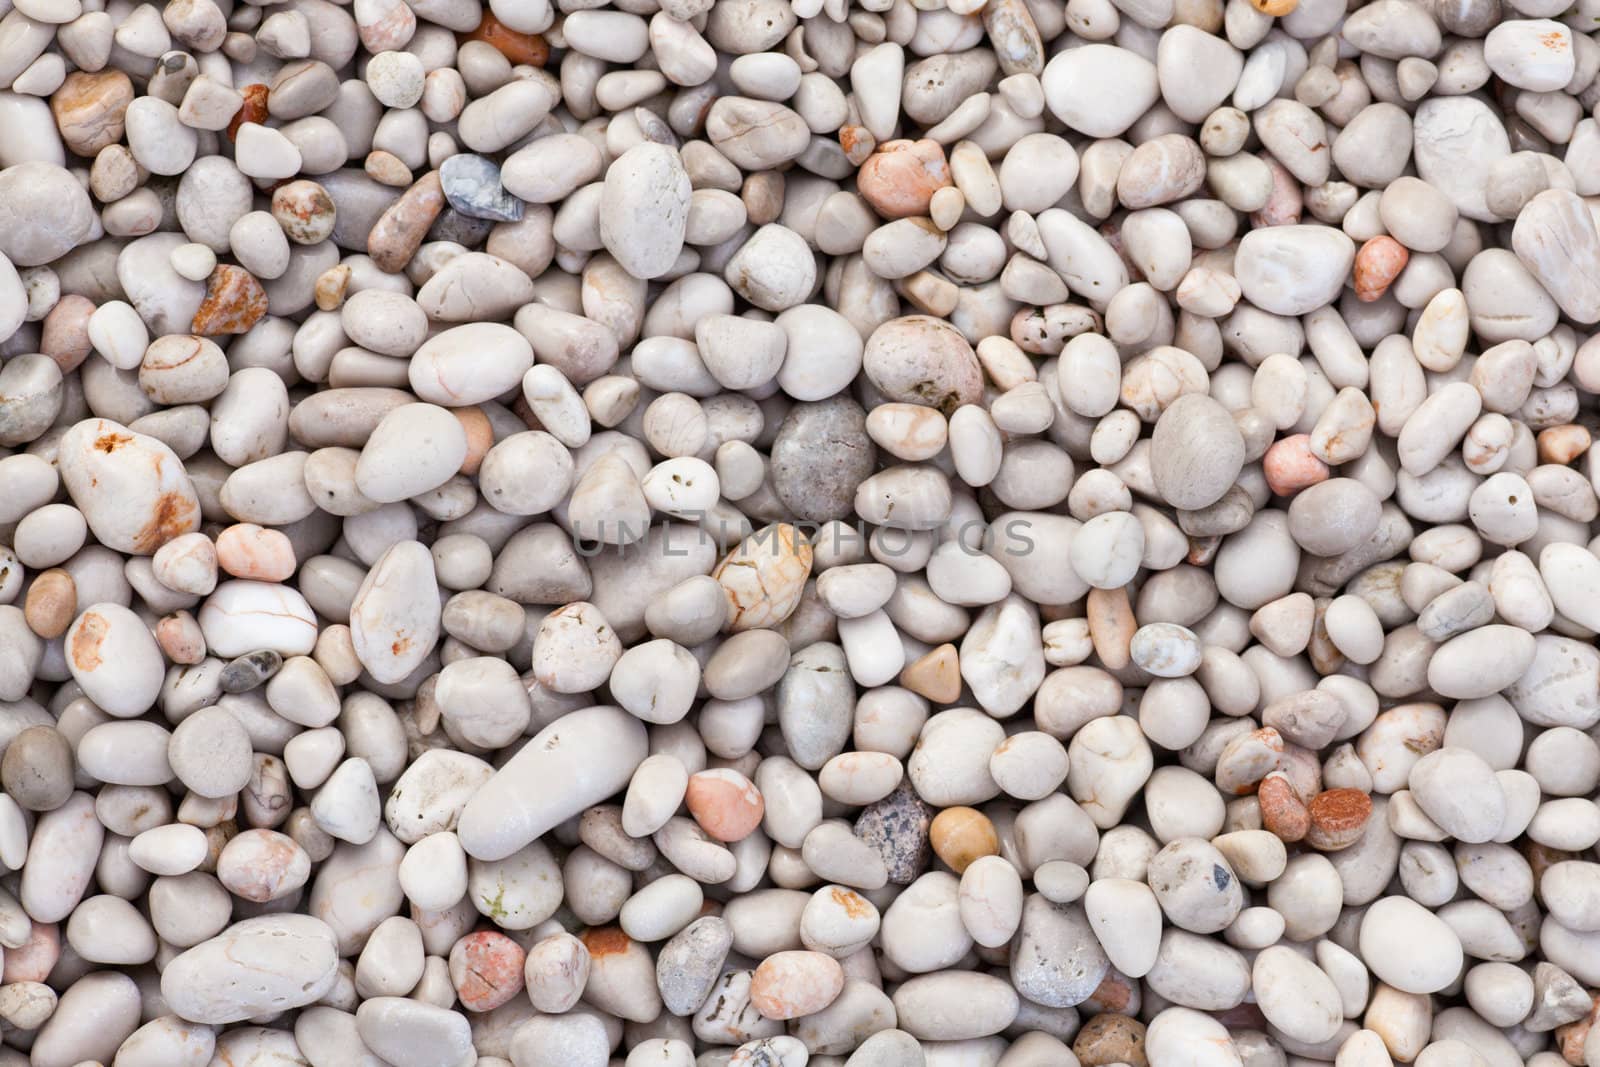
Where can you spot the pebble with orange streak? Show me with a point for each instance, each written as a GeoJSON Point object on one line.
{"type": "Point", "coordinates": [234, 302]}
{"type": "Point", "coordinates": [900, 178]}
{"type": "Point", "coordinates": [764, 577]}
{"type": "Point", "coordinates": [789, 985]}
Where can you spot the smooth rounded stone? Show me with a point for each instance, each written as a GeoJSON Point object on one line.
{"type": "Point", "coordinates": [240, 617]}
{"type": "Point", "coordinates": [1057, 960]}
{"type": "Point", "coordinates": [116, 661]}
{"type": "Point", "coordinates": [409, 1033]}
{"type": "Point", "coordinates": [1293, 270]}
{"type": "Point", "coordinates": [394, 618]}
{"type": "Point", "coordinates": [1532, 54]}
{"type": "Point", "coordinates": [1457, 140]}
{"type": "Point", "coordinates": [644, 209]}
{"type": "Point", "coordinates": [93, 1017]}
{"type": "Point", "coordinates": [1197, 888]}
{"type": "Point", "coordinates": [756, 134]}
{"type": "Point", "coordinates": [1295, 995]}
{"type": "Point", "coordinates": [821, 455]}
{"type": "Point", "coordinates": [1481, 662]}
{"type": "Point", "coordinates": [1196, 452]}
{"type": "Point", "coordinates": [1409, 947]}
{"type": "Point", "coordinates": [1074, 83]}
{"type": "Point", "coordinates": [1556, 239]}
{"type": "Point", "coordinates": [44, 213]}
{"type": "Point", "coordinates": [132, 489]}
{"type": "Point", "coordinates": [775, 269]}
{"type": "Point", "coordinates": [210, 753]}
{"type": "Point", "coordinates": [417, 447]}
{"type": "Point", "coordinates": [37, 769]}
{"type": "Point", "coordinates": [1460, 793]}
{"type": "Point", "coordinates": [689, 964]}
{"type": "Point", "coordinates": [954, 1005]}
{"type": "Point", "coordinates": [255, 967]}
{"type": "Point", "coordinates": [577, 761]}
{"type": "Point", "coordinates": [469, 364]}
{"type": "Point", "coordinates": [922, 360]}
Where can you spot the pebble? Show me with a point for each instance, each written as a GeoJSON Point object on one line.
{"type": "Point", "coordinates": [865, 534]}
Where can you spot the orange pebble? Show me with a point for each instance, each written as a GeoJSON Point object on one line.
{"type": "Point", "coordinates": [900, 178]}
{"type": "Point", "coordinates": [1563, 444]}
{"type": "Point", "coordinates": [1338, 818]}
{"type": "Point", "coordinates": [246, 550]}
{"type": "Point", "coordinates": [1571, 1037]}
{"type": "Point", "coordinates": [1290, 465]}
{"type": "Point", "coordinates": [1378, 263]}
{"type": "Point", "coordinates": [480, 436]}
{"type": "Point", "coordinates": [725, 803]}
{"type": "Point", "coordinates": [1281, 810]}
{"type": "Point", "coordinates": [1275, 8]}
{"type": "Point", "coordinates": [486, 969]}
{"type": "Point", "coordinates": [962, 835]}
{"type": "Point", "coordinates": [517, 47]}
{"type": "Point", "coordinates": [1111, 626]}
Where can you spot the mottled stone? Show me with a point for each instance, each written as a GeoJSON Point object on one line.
{"type": "Point", "coordinates": [821, 455]}
{"type": "Point", "coordinates": [897, 827]}
{"type": "Point", "coordinates": [234, 302]}
{"type": "Point", "coordinates": [472, 186]}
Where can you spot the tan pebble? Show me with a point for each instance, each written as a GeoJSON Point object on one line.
{"type": "Point", "coordinates": [1571, 1037]}
{"type": "Point", "coordinates": [764, 577]}
{"type": "Point", "coordinates": [399, 231]}
{"type": "Point", "coordinates": [1110, 1038]}
{"type": "Point", "coordinates": [234, 302]}
{"type": "Point", "coordinates": [1275, 8]}
{"type": "Point", "coordinates": [246, 550]}
{"type": "Point", "coordinates": [387, 169]}
{"type": "Point", "coordinates": [725, 803]}
{"type": "Point", "coordinates": [962, 835]}
{"type": "Point", "coordinates": [52, 601]}
{"type": "Point", "coordinates": [1111, 626]}
{"type": "Point", "coordinates": [330, 287]}
{"type": "Point", "coordinates": [480, 436]}
{"type": "Point", "coordinates": [90, 109]}
{"type": "Point", "coordinates": [935, 674]}
{"type": "Point", "coordinates": [1378, 264]}
{"type": "Point", "coordinates": [1290, 465]}
{"type": "Point", "coordinates": [789, 985]}
{"type": "Point", "coordinates": [900, 178]}
{"type": "Point", "coordinates": [1562, 444]}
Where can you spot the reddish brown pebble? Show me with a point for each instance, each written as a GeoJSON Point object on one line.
{"type": "Point", "coordinates": [486, 969]}
{"type": "Point", "coordinates": [1571, 1038]}
{"type": "Point", "coordinates": [1378, 264]}
{"type": "Point", "coordinates": [1563, 444]}
{"type": "Point", "coordinates": [234, 302]}
{"type": "Point", "coordinates": [254, 108]}
{"type": "Point", "coordinates": [900, 178]}
{"type": "Point", "coordinates": [1338, 818]}
{"type": "Point", "coordinates": [725, 803]}
{"type": "Point", "coordinates": [1290, 465]}
{"type": "Point", "coordinates": [517, 47]}
{"type": "Point", "coordinates": [1282, 813]}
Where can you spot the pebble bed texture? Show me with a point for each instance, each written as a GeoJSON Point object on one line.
{"type": "Point", "coordinates": [767, 533]}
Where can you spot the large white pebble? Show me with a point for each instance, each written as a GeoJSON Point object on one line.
{"type": "Point", "coordinates": [255, 967]}
{"type": "Point", "coordinates": [112, 655]}
{"type": "Point", "coordinates": [1293, 270]}
{"type": "Point", "coordinates": [394, 618]}
{"type": "Point", "coordinates": [644, 209]}
{"type": "Point", "coordinates": [132, 489]}
{"type": "Point", "coordinates": [1408, 946]}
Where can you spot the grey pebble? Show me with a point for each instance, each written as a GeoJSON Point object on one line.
{"type": "Point", "coordinates": [472, 186]}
